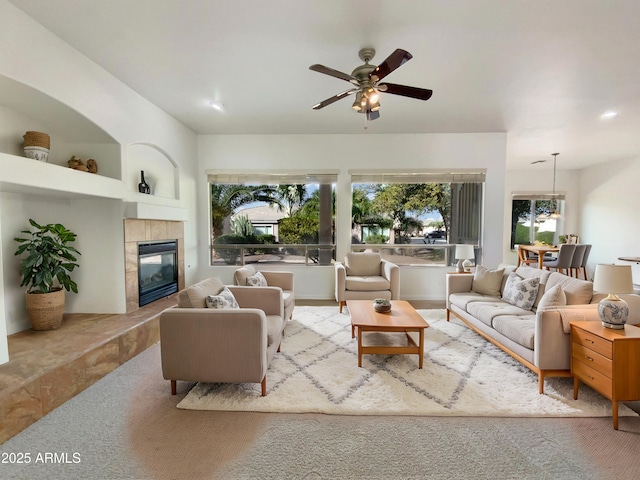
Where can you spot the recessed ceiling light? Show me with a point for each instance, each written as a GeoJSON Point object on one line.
{"type": "Point", "coordinates": [609, 115]}
{"type": "Point", "coordinates": [216, 106]}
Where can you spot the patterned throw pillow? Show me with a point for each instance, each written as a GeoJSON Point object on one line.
{"type": "Point", "coordinates": [257, 280]}
{"type": "Point", "coordinates": [224, 299]}
{"type": "Point", "coordinates": [521, 292]}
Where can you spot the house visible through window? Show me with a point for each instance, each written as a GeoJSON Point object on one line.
{"type": "Point", "coordinates": [272, 218]}
{"type": "Point", "coordinates": [417, 218]}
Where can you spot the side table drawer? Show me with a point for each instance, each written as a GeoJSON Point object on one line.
{"type": "Point", "coordinates": [593, 359]}
{"type": "Point", "coordinates": [593, 378]}
{"type": "Point", "coordinates": [593, 342]}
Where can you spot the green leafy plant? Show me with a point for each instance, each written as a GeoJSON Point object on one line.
{"type": "Point", "coordinates": [49, 258]}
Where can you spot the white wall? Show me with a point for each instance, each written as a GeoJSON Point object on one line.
{"type": "Point", "coordinates": [35, 57]}
{"type": "Point", "coordinates": [367, 151]}
{"type": "Point", "coordinates": [609, 200]}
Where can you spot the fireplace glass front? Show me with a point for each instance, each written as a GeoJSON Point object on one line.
{"type": "Point", "coordinates": [157, 270]}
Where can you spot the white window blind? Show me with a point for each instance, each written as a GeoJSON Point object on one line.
{"type": "Point", "coordinates": [272, 177]}
{"type": "Point", "coordinates": [418, 176]}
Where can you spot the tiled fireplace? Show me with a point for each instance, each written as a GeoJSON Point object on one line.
{"type": "Point", "coordinates": [140, 232]}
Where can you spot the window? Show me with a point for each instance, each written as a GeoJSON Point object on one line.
{"type": "Point", "coordinates": [417, 218]}
{"type": "Point", "coordinates": [536, 218]}
{"type": "Point", "coordinates": [272, 217]}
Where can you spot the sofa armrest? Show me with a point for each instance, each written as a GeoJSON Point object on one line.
{"type": "Point", "coordinates": [284, 280]}
{"type": "Point", "coordinates": [552, 346]}
{"type": "Point", "coordinates": [391, 272]}
{"type": "Point", "coordinates": [458, 283]}
{"type": "Point", "coordinates": [341, 281]}
{"type": "Point", "coordinates": [267, 299]}
{"type": "Point", "coordinates": [210, 345]}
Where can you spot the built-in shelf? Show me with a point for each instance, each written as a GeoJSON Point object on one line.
{"type": "Point", "coordinates": [24, 175]}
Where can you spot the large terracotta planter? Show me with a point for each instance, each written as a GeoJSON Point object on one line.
{"type": "Point", "coordinates": [45, 309]}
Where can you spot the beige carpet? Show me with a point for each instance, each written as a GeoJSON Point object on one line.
{"type": "Point", "coordinates": [316, 371]}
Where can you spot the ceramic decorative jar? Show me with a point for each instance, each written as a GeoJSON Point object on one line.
{"type": "Point", "coordinates": [382, 305]}
{"type": "Point", "coordinates": [37, 145]}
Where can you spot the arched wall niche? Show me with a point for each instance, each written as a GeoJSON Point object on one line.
{"type": "Point", "coordinates": [160, 169]}
{"type": "Point", "coordinates": [24, 108]}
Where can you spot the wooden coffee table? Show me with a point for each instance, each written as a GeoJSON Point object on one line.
{"type": "Point", "coordinates": [402, 318]}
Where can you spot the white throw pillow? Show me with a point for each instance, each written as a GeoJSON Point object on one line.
{"type": "Point", "coordinates": [521, 292]}
{"type": "Point", "coordinates": [224, 299]}
{"type": "Point", "coordinates": [487, 282]}
{"type": "Point", "coordinates": [553, 297]}
{"type": "Point", "coordinates": [257, 280]}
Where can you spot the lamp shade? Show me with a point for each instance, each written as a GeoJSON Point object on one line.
{"type": "Point", "coordinates": [612, 279]}
{"type": "Point", "coordinates": [464, 252]}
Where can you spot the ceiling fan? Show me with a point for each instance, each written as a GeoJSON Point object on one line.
{"type": "Point", "coordinates": [366, 80]}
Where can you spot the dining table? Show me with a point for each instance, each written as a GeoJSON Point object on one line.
{"type": "Point", "coordinates": [540, 250]}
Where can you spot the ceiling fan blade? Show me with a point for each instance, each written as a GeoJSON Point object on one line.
{"type": "Point", "coordinates": [335, 98]}
{"type": "Point", "coordinates": [405, 91]}
{"type": "Point", "coordinates": [393, 61]}
{"type": "Point", "coordinates": [333, 73]}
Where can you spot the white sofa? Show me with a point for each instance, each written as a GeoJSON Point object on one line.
{"type": "Point", "coordinates": [536, 336]}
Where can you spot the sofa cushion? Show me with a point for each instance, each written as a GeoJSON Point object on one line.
{"type": "Point", "coordinates": [553, 297]}
{"type": "Point", "coordinates": [578, 292]}
{"type": "Point", "coordinates": [487, 282]}
{"type": "Point", "coordinates": [362, 264]}
{"type": "Point", "coordinates": [521, 292]}
{"type": "Point", "coordinates": [462, 299]}
{"type": "Point", "coordinates": [521, 329]}
{"type": "Point", "coordinates": [486, 312]}
{"type": "Point", "coordinates": [257, 280]}
{"type": "Point", "coordinates": [224, 299]}
{"type": "Point", "coordinates": [241, 274]}
{"type": "Point", "coordinates": [195, 295]}
{"type": "Point", "coordinates": [370, 284]}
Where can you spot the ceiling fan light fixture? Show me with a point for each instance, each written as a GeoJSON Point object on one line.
{"type": "Point", "coordinates": [374, 106]}
{"type": "Point", "coordinates": [357, 102]}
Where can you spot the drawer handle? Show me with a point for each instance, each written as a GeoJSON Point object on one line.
{"type": "Point", "coordinates": [589, 340]}
{"type": "Point", "coordinates": [590, 377]}
{"type": "Point", "coordinates": [589, 358]}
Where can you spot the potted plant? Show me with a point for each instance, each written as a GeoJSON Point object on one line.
{"type": "Point", "coordinates": [45, 272]}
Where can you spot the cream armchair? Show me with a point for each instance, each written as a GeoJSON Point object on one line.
{"type": "Point", "coordinates": [365, 276]}
{"type": "Point", "coordinates": [281, 279]}
{"type": "Point", "coordinates": [229, 345]}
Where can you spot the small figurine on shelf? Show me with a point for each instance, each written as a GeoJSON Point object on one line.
{"type": "Point", "coordinates": [143, 186]}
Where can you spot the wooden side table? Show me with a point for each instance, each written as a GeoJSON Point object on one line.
{"type": "Point", "coordinates": [607, 360]}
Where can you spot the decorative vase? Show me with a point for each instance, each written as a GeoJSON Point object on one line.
{"type": "Point", "coordinates": [37, 145]}
{"type": "Point", "coordinates": [382, 305]}
{"type": "Point", "coordinates": [45, 309]}
{"type": "Point", "coordinates": [143, 186]}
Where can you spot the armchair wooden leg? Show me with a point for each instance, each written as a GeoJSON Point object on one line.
{"type": "Point", "coordinates": [448, 313]}
{"type": "Point", "coordinates": [173, 387]}
{"type": "Point", "coordinates": [264, 386]}
{"type": "Point", "coordinates": [341, 305]}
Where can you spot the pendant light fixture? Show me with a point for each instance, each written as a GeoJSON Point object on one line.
{"type": "Point", "coordinates": [555, 214]}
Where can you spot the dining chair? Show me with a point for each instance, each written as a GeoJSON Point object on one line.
{"type": "Point", "coordinates": [526, 258]}
{"type": "Point", "coordinates": [576, 261]}
{"type": "Point", "coordinates": [563, 260]}
{"type": "Point", "coordinates": [587, 251]}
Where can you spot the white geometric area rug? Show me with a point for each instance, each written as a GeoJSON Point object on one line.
{"type": "Point", "coordinates": [316, 371]}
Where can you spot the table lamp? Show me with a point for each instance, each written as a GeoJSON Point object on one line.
{"type": "Point", "coordinates": [463, 254]}
{"type": "Point", "coordinates": [613, 279]}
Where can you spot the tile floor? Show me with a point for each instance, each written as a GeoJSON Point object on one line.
{"type": "Point", "coordinates": [47, 368]}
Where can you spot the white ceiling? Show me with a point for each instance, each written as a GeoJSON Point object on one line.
{"type": "Point", "coordinates": [541, 70]}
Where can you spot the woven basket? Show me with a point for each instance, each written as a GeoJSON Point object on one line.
{"type": "Point", "coordinates": [37, 139]}
{"type": "Point", "coordinates": [45, 309]}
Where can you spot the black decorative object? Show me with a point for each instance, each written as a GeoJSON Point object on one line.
{"type": "Point", "coordinates": [143, 186]}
